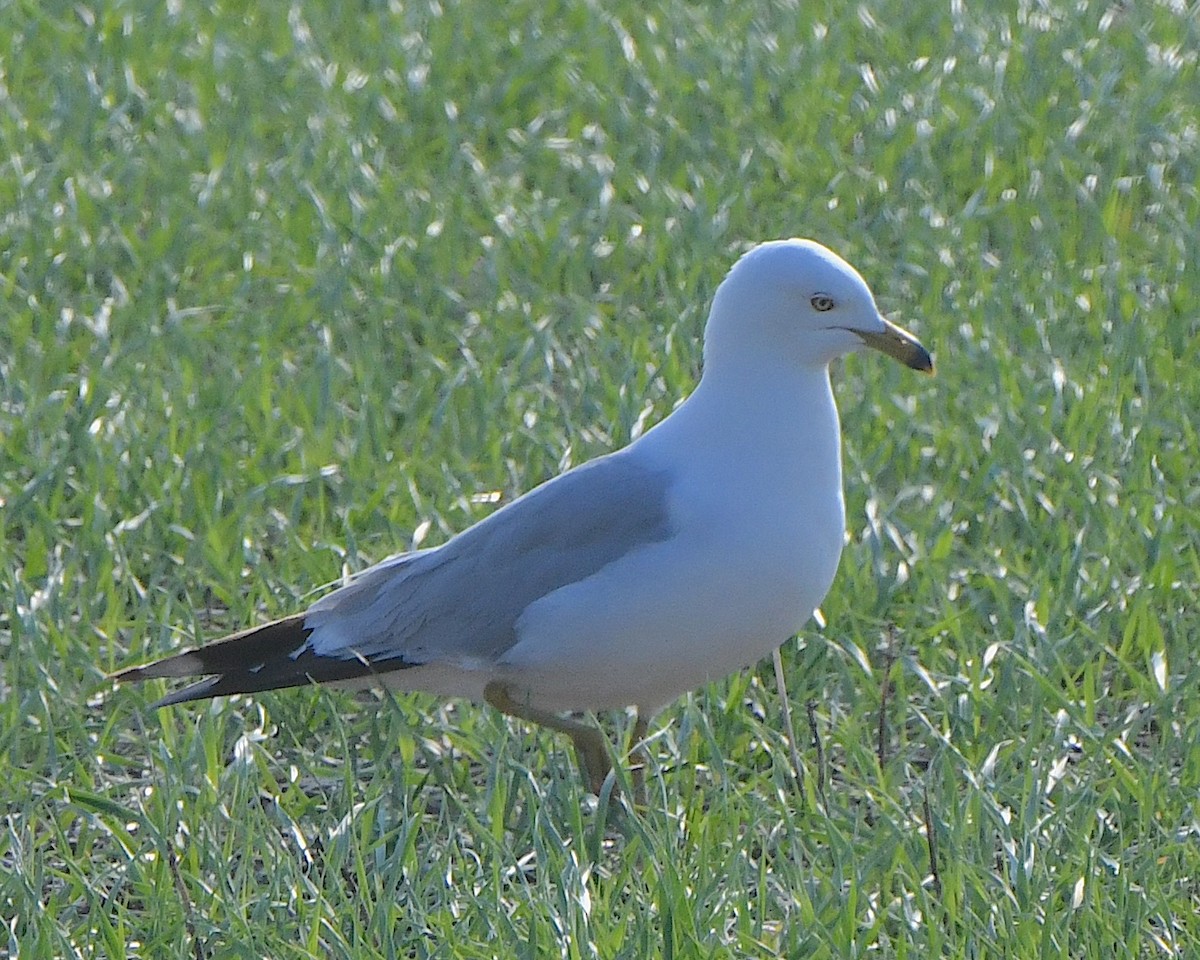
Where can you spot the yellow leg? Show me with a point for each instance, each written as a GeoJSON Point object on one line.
{"type": "Point", "coordinates": [591, 750]}
{"type": "Point", "coordinates": [640, 759]}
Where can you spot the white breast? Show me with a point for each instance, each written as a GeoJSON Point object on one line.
{"type": "Point", "coordinates": [756, 546]}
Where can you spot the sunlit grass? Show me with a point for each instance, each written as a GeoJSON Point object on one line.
{"type": "Point", "coordinates": [287, 289]}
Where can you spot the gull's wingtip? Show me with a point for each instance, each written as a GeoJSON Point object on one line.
{"type": "Point", "coordinates": [194, 691]}
{"type": "Point", "coordinates": [273, 656]}
{"type": "Point", "coordinates": [187, 664]}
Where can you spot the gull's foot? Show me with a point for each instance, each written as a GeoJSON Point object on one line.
{"type": "Point", "coordinates": [591, 749]}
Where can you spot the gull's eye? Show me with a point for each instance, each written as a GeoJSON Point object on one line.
{"type": "Point", "coordinates": [822, 302]}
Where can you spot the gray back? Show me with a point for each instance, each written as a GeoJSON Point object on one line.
{"type": "Point", "coordinates": [463, 599]}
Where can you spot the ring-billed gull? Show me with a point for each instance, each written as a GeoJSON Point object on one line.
{"type": "Point", "coordinates": [635, 577]}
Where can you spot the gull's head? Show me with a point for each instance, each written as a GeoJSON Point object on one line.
{"type": "Point", "coordinates": [799, 301]}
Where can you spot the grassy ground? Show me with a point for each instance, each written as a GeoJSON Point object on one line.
{"type": "Point", "coordinates": [286, 290]}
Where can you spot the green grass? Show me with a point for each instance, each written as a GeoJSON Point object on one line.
{"type": "Point", "coordinates": [284, 289]}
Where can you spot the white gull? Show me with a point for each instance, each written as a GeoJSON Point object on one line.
{"type": "Point", "coordinates": [633, 578]}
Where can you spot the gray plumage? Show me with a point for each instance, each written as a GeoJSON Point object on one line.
{"type": "Point", "coordinates": [459, 601]}
{"type": "Point", "coordinates": [463, 599]}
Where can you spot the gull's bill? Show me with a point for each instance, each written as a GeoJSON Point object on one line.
{"type": "Point", "coordinates": [899, 344]}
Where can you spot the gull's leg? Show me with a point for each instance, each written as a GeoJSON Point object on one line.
{"type": "Point", "coordinates": [590, 748]}
{"type": "Point", "coordinates": [639, 758]}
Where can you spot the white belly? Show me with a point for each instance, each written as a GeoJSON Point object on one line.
{"type": "Point", "coordinates": [672, 616]}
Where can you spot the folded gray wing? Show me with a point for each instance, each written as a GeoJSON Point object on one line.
{"type": "Point", "coordinates": [460, 602]}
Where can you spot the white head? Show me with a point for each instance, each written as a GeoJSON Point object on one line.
{"type": "Point", "coordinates": [796, 301]}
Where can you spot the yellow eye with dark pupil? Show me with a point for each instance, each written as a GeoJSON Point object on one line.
{"type": "Point", "coordinates": [822, 302]}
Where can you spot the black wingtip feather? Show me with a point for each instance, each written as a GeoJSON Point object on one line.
{"type": "Point", "coordinates": [194, 691]}
{"type": "Point", "coordinates": [269, 657]}
{"type": "Point", "coordinates": [238, 651]}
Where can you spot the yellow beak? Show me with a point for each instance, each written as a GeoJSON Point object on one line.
{"type": "Point", "coordinates": [898, 343]}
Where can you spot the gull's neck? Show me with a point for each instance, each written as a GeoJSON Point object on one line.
{"type": "Point", "coordinates": [783, 408]}
{"type": "Point", "coordinates": [770, 393]}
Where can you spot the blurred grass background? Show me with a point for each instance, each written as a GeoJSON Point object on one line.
{"type": "Point", "coordinates": [289, 288]}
